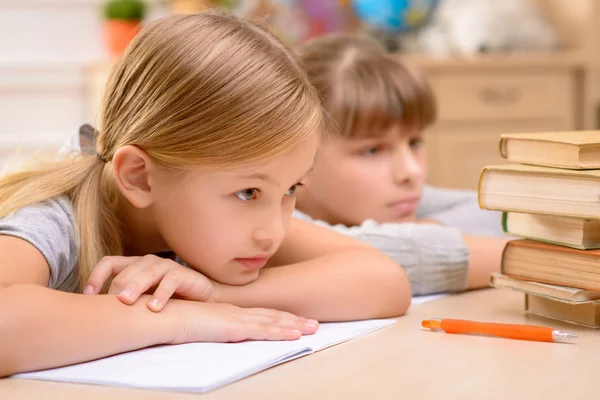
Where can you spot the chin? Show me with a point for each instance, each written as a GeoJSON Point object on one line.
{"type": "Point", "coordinates": [402, 219]}
{"type": "Point", "coordinates": [240, 279]}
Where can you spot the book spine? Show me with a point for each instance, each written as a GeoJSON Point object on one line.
{"type": "Point", "coordinates": [502, 259]}
{"type": "Point", "coordinates": [549, 292]}
{"type": "Point", "coordinates": [556, 282]}
{"type": "Point", "coordinates": [481, 175]}
{"type": "Point", "coordinates": [504, 222]}
{"type": "Point", "coordinates": [502, 148]}
{"type": "Point", "coordinates": [586, 314]}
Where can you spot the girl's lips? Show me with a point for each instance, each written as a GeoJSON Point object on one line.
{"type": "Point", "coordinates": [406, 206]}
{"type": "Point", "coordinates": [253, 263]}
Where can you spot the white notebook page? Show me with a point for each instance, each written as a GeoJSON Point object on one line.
{"type": "Point", "coordinates": [201, 367]}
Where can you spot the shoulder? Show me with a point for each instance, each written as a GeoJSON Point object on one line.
{"type": "Point", "coordinates": [58, 212]}
{"type": "Point", "coordinates": [50, 227]}
{"type": "Point", "coordinates": [438, 199]}
{"type": "Point", "coordinates": [459, 209]}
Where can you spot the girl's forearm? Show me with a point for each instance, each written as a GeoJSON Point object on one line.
{"type": "Point", "coordinates": [353, 285]}
{"type": "Point", "coordinates": [43, 328]}
{"type": "Point", "coordinates": [485, 257]}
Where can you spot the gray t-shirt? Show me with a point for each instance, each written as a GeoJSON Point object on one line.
{"type": "Point", "coordinates": [50, 227]}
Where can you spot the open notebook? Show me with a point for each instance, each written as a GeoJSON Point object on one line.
{"type": "Point", "coordinates": [201, 367]}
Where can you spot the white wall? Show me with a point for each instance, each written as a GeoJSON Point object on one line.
{"type": "Point", "coordinates": [46, 47]}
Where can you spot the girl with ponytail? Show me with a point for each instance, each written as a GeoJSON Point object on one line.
{"type": "Point", "coordinates": [178, 226]}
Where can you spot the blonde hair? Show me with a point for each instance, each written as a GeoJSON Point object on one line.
{"type": "Point", "coordinates": [363, 89]}
{"type": "Point", "coordinates": [204, 89]}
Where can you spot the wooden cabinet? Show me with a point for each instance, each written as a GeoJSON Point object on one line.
{"type": "Point", "coordinates": [480, 98]}
{"type": "Point", "coordinates": [500, 95]}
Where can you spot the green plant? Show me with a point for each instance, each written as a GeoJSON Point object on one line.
{"type": "Point", "coordinates": [129, 10]}
{"type": "Point", "coordinates": [226, 4]}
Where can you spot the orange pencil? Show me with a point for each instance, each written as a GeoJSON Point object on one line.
{"type": "Point", "coordinates": [509, 331]}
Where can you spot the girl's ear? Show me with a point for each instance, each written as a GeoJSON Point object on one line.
{"type": "Point", "coordinates": [134, 173]}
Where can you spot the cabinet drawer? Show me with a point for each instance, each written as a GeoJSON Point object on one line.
{"type": "Point", "coordinates": [457, 152]}
{"type": "Point", "coordinates": [504, 96]}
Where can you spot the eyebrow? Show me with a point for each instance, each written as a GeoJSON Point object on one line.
{"type": "Point", "coordinates": [268, 179]}
{"type": "Point", "coordinates": [260, 176]}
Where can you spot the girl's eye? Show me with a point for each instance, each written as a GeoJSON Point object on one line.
{"type": "Point", "coordinates": [247, 194]}
{"type": "Point", "coordinates": [371, 151]}
{"type": "Point", "coordinates": [292, 191]}
{"type": "Point", "coordinates": [416, 143]}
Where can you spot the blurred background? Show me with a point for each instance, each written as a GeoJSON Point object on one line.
{"type": "Point", "coordinates": [495, 65]}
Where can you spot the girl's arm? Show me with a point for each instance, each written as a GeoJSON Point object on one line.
{"type": "Point", "coordinates": [44, 328]}
{"type": "Point", "coordinates": [460, 209]}
{"type": "Point", "coordinates": [485, 256]}
{"type": "Point", "coordinates": [320, 274]}
{"type": "Point", "coordinates": [435, 258]}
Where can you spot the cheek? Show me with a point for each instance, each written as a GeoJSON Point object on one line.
{"type": "Point", "coordinates": [353, 188]}
{"type": "Point", "coordinates": [422, 159]}
{"type": "Point", "coordinates": [204, 233]}
{"type": "Point", "coordinates": [358, 180]}
{"type": "Point", "coordinates": [287, 210]}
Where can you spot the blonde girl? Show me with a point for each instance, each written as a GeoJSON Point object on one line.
{"type": "Point", "coordinates": [183, 211]}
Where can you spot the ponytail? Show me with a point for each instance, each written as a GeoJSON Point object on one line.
{"type": "Point", "coordinates": [84, 182]}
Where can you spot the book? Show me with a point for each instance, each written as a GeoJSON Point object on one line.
{"type": "Point", "coordinates": [540, 190]}
{"type": "Point", "coordinates": [586, 313]}
{"type": "Point", "coordinates": [202, 367]}
{"type": "Point", "coordinates": [563, 293]}
{"type": "Point", "coordinates": [583, 234]}
{"type": "Point", "coordinates": [549, 263]}
{"type": "Point", "coordinates": [574, 149]}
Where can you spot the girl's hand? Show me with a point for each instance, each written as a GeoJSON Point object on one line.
{"type": "Point", "coordinates": [133, 276]}
{"type": "Point", "coordinates": [219, 322]}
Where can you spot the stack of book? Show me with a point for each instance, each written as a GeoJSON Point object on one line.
{"type": "Point", "coordinates": [549, 193]}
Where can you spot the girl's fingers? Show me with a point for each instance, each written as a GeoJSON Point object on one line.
{"type": "Point", "coordinates": [271, 313]}
{"type": "Point", "coordinates": [167, 286]}
{"type": "Point", "coordinates": [106, 268]}
{"type": "Point", "coordinates": [147, 278]}
{"type": "Point", "coordinates": [262, 331]}
{"type": "Point", "coordinates": [281, 318]}
{"type": "Point", "coordinates": [126, 275]}
{"type": "Point", "coordinates": [221, 322]}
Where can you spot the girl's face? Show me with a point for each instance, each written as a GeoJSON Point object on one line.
{"type": "Point", "coordinates": [227, 223]}
{"type": "Point", "coordinates": [378, 178]}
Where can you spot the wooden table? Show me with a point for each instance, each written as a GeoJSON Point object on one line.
{"type": "Point", "coordinates": [404, 362]}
